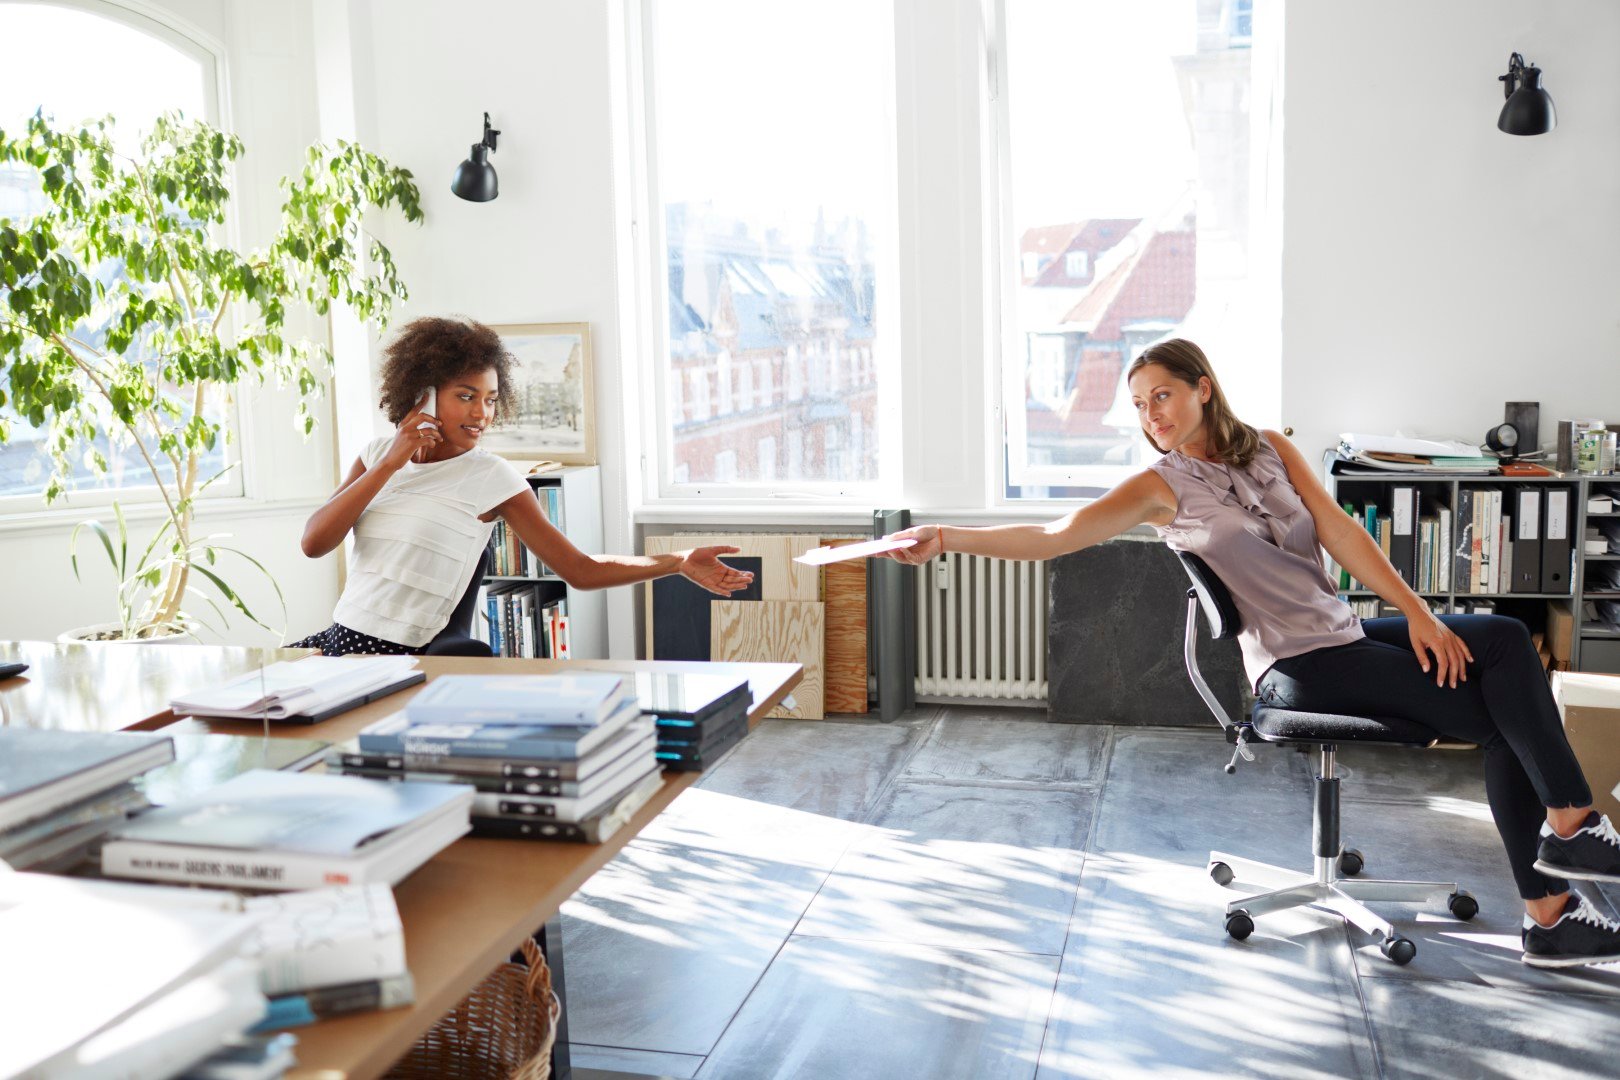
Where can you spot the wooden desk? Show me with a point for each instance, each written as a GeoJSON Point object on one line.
{"type": "Point", "coordinates": [111, 687]}
{"type": "Point", "coordinates": [469, 907]}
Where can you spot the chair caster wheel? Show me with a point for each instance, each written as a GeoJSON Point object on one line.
{"type": "Point", "coordinates": [1351, 862]}
{"type": "Point", "coordinates": [1463, 905]}
{"type": "Point", "coordinates": [1399, 949]}
{"type": "Point", "coordinates": [1221, 873]}
{"type": "Point", "coordinates": [1239, 924]}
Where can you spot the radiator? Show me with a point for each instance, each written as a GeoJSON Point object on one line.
{"type": "Point", "coordinates": [981, 629]}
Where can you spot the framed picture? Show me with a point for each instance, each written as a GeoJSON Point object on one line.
{"type": "Point", "coordinates": [553, 389]}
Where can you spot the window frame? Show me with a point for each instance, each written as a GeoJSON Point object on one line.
{"type": "Point", "coordinates": [211, 56]}
{"type": "Point", "coordinates": [659, 484]}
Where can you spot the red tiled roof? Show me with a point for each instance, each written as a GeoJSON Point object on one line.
{"type": "Point", "coordinates": [1098, 235]}
{"type": "Point", "coordinates": [1160, 283]}
{"type": "Point", "coordinates": [1048, 239]}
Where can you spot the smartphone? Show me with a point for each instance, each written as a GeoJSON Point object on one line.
{"type": "Point", "coordinates": [428, 405]}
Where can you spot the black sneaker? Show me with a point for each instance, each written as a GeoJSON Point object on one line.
{"type": "Point", "coordinates": [1592, 854]}
{"type": "Point", "coordinates": [1580, 936]}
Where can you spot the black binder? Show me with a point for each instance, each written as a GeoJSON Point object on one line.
{"type": "Point", "coordinates": [1403, 532]}
{"type": "Point", "coordinates": [1527, 540]}
{"type": "Point", "coordinates": [1557, 522]}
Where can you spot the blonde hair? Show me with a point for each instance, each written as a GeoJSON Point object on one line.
{"type": "Point", "coordinates": [1228, 439]}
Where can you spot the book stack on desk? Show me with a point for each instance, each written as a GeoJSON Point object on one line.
{"type": "Point", "coordinates": [278, 831]}
{"type": "Point", "coordinates": [551, 757]}
{"type": "Point", "coordinates": [303, 691]}
{"type": "Point", "coordinates": [61, 791]}
{"type": "Point", "coordinates": [698, 717]}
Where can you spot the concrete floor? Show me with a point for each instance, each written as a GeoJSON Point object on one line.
{"type": "Point", "coordinates": [979, 893]}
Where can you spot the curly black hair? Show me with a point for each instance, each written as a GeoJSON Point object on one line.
{"type": "Point", "coordinates": [431, 351]}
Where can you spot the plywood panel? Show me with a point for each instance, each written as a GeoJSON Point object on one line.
{"type": "Point", "coordinates": [789, 631]}
{"type": "Point", "coordinates": [843, 588]}
{"type": "Point", "coordinates": [781, 577]}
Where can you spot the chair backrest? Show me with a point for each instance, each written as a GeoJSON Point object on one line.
{"type": "Point", "coordinates": [1216, 601]}
{"type": "Point", "coordinates": [461, 618]}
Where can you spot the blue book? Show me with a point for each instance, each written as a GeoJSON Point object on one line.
{"type": "Point", "coordinates": [399, 734]}
{"type": "Point", "coordinates": [583, 700]}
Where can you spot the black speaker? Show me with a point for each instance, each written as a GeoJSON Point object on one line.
{"type": "Point", "coordinates": [1525, 416]}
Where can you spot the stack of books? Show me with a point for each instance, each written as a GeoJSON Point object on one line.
{"type": "Point", "coordinates": [551, 757]}
{"type": "Point", "coordinates": [303, 691]}
{"type": "Point", "coordinates": [1399, 453]}
{"type": "Point", "coordinates": [328, 952]}
{"type": "Point", "coordinates": [61, 791]}
{"type": "Point", "coordinates": [698, 717]}
{"type": "Point", "coordinates": [181, 989]}
{"type": "Point", "coordinates": [278, 831]}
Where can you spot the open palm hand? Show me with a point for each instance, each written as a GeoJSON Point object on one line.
{"type": "Point", "coordinates": [703, 566]}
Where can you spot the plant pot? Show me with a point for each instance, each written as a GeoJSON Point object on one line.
{"type": "Point", "coordinates": [109, 633]}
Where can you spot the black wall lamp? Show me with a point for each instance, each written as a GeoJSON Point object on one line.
{"type": "Point", "coordinates": [1529, 111]}
{"type": "Point", "coordinates": [475, 178]}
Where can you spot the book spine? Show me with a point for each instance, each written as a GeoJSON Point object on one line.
{"type": "Point", "coordinates": [548, 749]}
{"type": "Point", "coordinates": [530, 830]}
{"type": "Point", "coordinates": [213, 866]}
{"type": "Point", "coordinates": [298, 1010]}
{"type": "Point", "coordinates": [496, 785]}
{"type": "Point", "coordinates": [399, 761]}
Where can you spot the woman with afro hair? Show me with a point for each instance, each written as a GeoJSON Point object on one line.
{"type": "Point", "coordinates": [422, 502]}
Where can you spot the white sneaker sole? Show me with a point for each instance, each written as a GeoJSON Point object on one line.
{"type": "Point", "coordinates": [1534, 960]}
{"type": "Point", "coordinates": [1574, 873]}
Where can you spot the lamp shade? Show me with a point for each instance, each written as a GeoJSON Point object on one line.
{"type": "Point", "coordinates": [1529, 108]}
{"type": "Point", "coordinates": [475, 178]}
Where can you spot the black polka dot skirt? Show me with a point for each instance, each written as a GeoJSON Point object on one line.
{"type": "Point", "coordinates": [339, 640]}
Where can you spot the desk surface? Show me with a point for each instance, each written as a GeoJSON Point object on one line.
{"type": "Point", "coordinates": [469, 907]}
{"type": "Point", "coordinates": [115, 687]}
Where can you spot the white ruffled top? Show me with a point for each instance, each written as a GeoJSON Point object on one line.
{"type": "Point", "coordinates": [417, 544]}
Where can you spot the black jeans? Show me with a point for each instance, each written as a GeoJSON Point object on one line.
{"type": "Point", "coordinates": [1505, 706]}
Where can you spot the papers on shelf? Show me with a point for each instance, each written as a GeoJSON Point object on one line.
{"type": "Point", "coordinates": [295, 687]}
{"type": "Point", "coordinates": [823, 555]}
{"type": "Point", "coordinates": [1358, 443]}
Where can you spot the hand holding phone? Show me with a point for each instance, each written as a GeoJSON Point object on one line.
{"type": "Point", "coordinates": [428, 407]}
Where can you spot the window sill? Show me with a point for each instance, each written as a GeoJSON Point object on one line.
{"type": "Point", "coordinates": [841, 515]}
{"type": "Point", "coordinates": [64, 516]}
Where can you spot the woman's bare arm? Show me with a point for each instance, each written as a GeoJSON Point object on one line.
{"type": "Point", "coordinates": [1143, 499]}
{"type": "Point", "coordinates": [584, 571]}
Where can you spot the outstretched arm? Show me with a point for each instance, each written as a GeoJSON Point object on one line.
{"type": "Point", "coordinates": [1144, 499]}
{"type": "Point", "coordinates": [585, 571]}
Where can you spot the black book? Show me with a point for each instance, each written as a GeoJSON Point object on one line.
{"type": "Point", "coordinates": [42, 771]}
{"type": "Point", "coordinates": [1526, 540]}
{"type": "Point", "coordinates": [689, 697]}
{"type": "Point", "coordinates": [1558, 523]}
{"type": "Point", "coordinates": [593, 830]}
{"type": "Point", "coordinates": [1403, 546]}
{"type": "Point", "coordinates": [679, 728]}
{"type": "Point", "coordinates": [694, 756]}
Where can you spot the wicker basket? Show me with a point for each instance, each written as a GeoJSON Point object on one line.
{"type": "Point", "coordinates": [503, 1030]}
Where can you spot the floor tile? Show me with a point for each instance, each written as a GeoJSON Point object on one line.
{"type": "Point", "coordinates": [1442, 1030]}
{"type": "Point", "coordinates": [664, 943]}
{"type": "Point", "coordinates": [1151, 985]}
{"type": "Point", "coordinates": [1166, 796]}
{"type": "Point", "coordinates": [961, 865]}
{"type": "Point", "coordinates": [1450, 839]}
{"type": "Point", "coordinates": [639, 1062]}
{"type": "Point", "coordinates": [830, 767]}
{"type": "Point", "coordinates": [1009, 744]}
{"type": "Point", "coordinates": [844, 1010]}
{"type": "Point", "coordinates": [1394, 773]}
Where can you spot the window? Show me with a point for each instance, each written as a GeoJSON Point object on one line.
{"type": "Point", "coordinates": [174, 74]}
{"type": "Point", "coordinates": [1155, 243]}
{"type": "Point", "coordinates": [772, 246]}
{"type": "Point", "coordinates": [767, 458]}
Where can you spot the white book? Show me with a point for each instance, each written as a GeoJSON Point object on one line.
{"type": "Point", "coordinates": [581, 700]}
{"type": "Point", "coordinates": [173, 1033]}
{"type": "Point", "coordinates": [294, 687]}
{"type": "Point", "coordinates": [276, 830]}
{"type": "Point", "coordinates": [326, 937]}
{"type": "Point", "coordinates": [56, 932]}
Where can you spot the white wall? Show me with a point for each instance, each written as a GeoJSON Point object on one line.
{"type": "Point", "coordinates": [270, 103]}
{"type": "Point", "coordinates": [1434, 267]}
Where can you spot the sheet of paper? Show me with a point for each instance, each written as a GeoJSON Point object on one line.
{"type": "Point", "coordinates": [823, 555]}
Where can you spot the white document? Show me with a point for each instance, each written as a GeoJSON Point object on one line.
{"type": "Point", "coordinates": [823, 555]}
{"type": "Point", "coordinates": [291, 687]}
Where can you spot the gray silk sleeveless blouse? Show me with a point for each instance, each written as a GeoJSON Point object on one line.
{"type": "Point", "coordinates": [1252, 528]}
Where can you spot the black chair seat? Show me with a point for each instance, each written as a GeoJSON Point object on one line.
{"type": "Point", "coordinates": [1294, 725]}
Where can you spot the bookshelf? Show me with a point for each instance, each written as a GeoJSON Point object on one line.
{"type": "Point", "coordinates": [572, 500]}
{"type": "Point", "coordinates": [1591, 649]}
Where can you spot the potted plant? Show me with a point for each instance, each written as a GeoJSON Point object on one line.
{"type": "Point", "coordinates": [126, 315]}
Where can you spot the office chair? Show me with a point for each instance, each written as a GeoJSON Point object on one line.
{"type": "Point", "coordinates": [1325, 889]}
{"type": "Point", "coordinates": [456, 639]}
